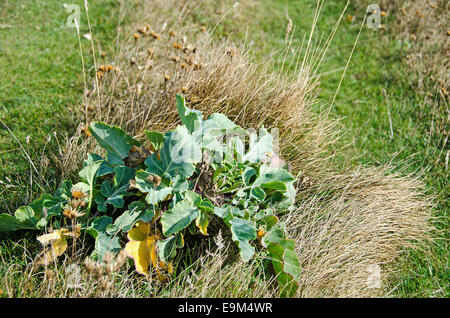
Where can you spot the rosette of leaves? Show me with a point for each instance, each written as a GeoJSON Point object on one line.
{"type": "Point", "coordinates": [154, 191]}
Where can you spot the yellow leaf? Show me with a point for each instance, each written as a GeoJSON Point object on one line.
{"type": "Point", "coordinates": [57, 248]}
{"type": "Point", "coordinates": [140, 252]}
{"type": "Point", "coordinates": [141, 247]}
{"type": "Point", "coordinates": [47, 238]}
{"type": "Point", "coordinates": [139, 232]}
{"type": "Point", "coordinates": [202, 222]}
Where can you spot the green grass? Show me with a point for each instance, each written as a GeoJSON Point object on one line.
{"type": "Point", "coordinates": [41, 85]}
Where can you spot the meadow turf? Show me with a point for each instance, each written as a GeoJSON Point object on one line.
{"type": "Point", "coordinates": [385, 119]}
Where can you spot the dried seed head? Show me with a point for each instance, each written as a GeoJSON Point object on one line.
{"type": "Point", "coordinates": [132, 183]}
{"type": "Point", "coordinates": [68, 212]}
{"type": "Point", "coordinates": [100, 75]}
{"type": "Point", "coordinates": [172, 33]}
{"type": "Point", "coordinates": [157, 180]}
{"type": "Point", "coordinates": [155, 36]}
{"type": "Point", "coordinates": [86, 131]}
{"type": "Point", "coordinates": [175, 59]}
{"type": "Point", "coordinates": [90, 108]}
{"type": "Point", "coordinates": [150, 52]}
{"type": "Point", "coordinates": [103, 54]}
{"type": "Point", "coordinates": [203, 29]}
{"type": "Point", "coordinates": [106, 285]}
{"type": "Point", "coordinates": [188, 48]}
{"type": "Point", "coordinates": [50, 274]}
{"type": "Point", "coordinates": [142, 30]}
{"type": "Point", "coordinates": [261, 233]}
{"type": "Point", "coordinates": [232, 52]}
{"type": "Point", "coordinates": [133, 61]}
{"type": "Point", "coordinates": [79, 194]}
{"type": "Point", "coordinates": [89, 265]}
{"type": "Point", "coordinates": [109, 269]}
{"type": "Point", "coordinates": [166, 78]}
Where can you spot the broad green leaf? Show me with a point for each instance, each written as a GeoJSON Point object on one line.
{"type": "Point", "coordinates": [103, 241]}
{"type": "Point", "coordinates": [168, 248]}
{"type": "Point", "coordinates": [249, 175]}
{"type": "Point", "coordinates": [155, 194]}
{"type": "Point", "coordinates": [193, 197]}
{"type": "Point", "coordinates": [190, 118]}
{"type": "Point", "coordinates": [156, 139]}
{"type": "Point", "coordinates": [206, 205]}
{"type": "Point", "coordinates": [88, 176]}
{"type": "Point", "coordinates": [273, 178]}
{"type": "Point", "coordinates": [25, 214]}
{"type": "Point", "coordinates": [243, 231]}
{"type": "Point", "coordinates": [9, 223]}
{"type": "Point", "coordinates": [104, 167]}
{"type": "Point", "coordinates": [52, 205]}
{"type": "Point", "coordinates": [286, 265]}
{"type": "Point", "coordinates": [178, 218]}
{"type": "Point", "coordinates": [113, 139]}
{"type": "Point", "coordinates": [65, 190]}
{"type": "Point", "coordinates": [259, 147]}
{"type": "Point", "coordinates": [235, 149]}
{"type": "Point", "coordinates": [224, 212]}
{"type": "Point", "coordinates": [138, 211]}
{"type": "Point", "coordinates": [258, 193]}
{"type": "Point", "coordinates": [88, 173]}
{"type": "Point", "coordinates": [178, 155]}
{"type": "Point", "coordinates": [113, 193]}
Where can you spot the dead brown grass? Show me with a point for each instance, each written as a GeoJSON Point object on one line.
{"type": "Point", "coordinates": [345, 222]}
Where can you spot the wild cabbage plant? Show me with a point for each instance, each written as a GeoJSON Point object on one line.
{"type": "Point", "coordinates": [152, 195]}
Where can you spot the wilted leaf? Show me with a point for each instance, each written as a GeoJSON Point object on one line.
{"type": "Point", "coordinates": [141, 247]}
{"type": "Point", "coordinates": [202, 221]}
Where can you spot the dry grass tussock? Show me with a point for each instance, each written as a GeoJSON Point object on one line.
{"type": "Point", "coordinates": [345, 223]}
